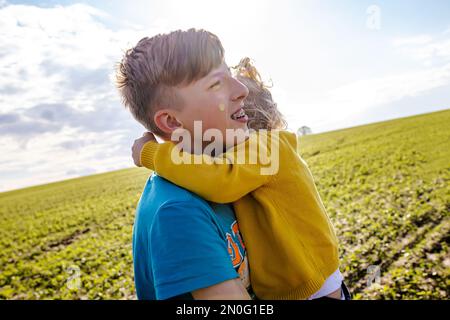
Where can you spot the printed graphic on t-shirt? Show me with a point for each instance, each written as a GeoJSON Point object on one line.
{"type": "Point", "coordinates": [236, 249]}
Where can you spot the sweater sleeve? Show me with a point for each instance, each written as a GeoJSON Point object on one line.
{"type": "Point", "coordinates": [221, 179]}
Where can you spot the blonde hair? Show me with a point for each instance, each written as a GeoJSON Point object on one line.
{"type": "Point", "coordinates": [259, 105]}
{"type": "Point", "coordinates": [148, 71]}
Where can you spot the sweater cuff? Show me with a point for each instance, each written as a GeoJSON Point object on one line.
{"type": "Point", "coordinates": [148, 154]}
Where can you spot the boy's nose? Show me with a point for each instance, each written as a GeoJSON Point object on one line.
{"type": "Point", "coordinates": [240, 90]}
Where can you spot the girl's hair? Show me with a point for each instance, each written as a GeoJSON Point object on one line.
{"type": "Point", "coordinates": [259, 105]}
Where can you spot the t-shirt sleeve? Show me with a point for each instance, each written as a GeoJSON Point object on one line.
{"type": "Point", "coordinates": [188, 251]}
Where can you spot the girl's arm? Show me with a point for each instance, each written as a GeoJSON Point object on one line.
{"type": "Point", "coordinates": [219, 179]}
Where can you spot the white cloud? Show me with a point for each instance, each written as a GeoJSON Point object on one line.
{"type": "Point", "coordinates": [416, 40]}
{"type": "Point", "coordinates": [391, 88]}
{"type": "Point", "coordinates": [60, 115]}
{"type": "Point", "coordinates": [61, 58]}
{"type": "Point", "coordinates": [39, 46]}
{"type": "Point", "coordinates": [351, 100]}
{"type": "Point", "coordinates": [46, 157]}
{"type": "Point", "coordinates": [428, 49]}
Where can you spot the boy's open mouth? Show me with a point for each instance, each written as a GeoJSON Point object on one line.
{"type": "Point", "coordinates": [240, 116]}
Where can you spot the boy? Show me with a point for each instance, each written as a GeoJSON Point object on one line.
{"type": "Point", "coordinates": [183, 247]}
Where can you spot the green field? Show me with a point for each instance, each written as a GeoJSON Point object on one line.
{"type": "Point", "coordinates": [385, 186]}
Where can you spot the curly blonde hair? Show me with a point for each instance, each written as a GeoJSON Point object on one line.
{"type": "Point", "coordinates": [259, 106]}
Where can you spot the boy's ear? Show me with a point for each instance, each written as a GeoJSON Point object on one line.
{"type": "Point", "coordinates": [166, 121]}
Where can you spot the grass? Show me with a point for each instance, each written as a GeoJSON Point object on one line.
{"type": "Point", "coordinates": [385, 186]}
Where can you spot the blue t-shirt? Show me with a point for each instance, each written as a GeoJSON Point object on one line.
{"type": "Point", "coordinates": [182, 243]}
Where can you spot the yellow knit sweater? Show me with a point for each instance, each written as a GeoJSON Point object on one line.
{"type": "Point", "coordinates": [290, 241]}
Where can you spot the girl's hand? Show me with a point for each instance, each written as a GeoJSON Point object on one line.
{"type": "Point", "coordinates": [139, 144]}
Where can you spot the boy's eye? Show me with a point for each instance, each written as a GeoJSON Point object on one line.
{"type": "Point", "coordinates": [215, 85]}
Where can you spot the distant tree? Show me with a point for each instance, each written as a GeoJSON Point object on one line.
{"type": "Point", "coordinates": [304, 131]}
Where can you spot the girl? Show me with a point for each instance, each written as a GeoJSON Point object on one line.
{"type": "Point", "coordinates": [291, 245]}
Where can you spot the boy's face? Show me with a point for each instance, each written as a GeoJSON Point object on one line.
{"type": "Point", "coordinates": [216, 100]}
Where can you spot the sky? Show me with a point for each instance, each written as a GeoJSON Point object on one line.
{"type": "Point", "coordinates": [333, 64]}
